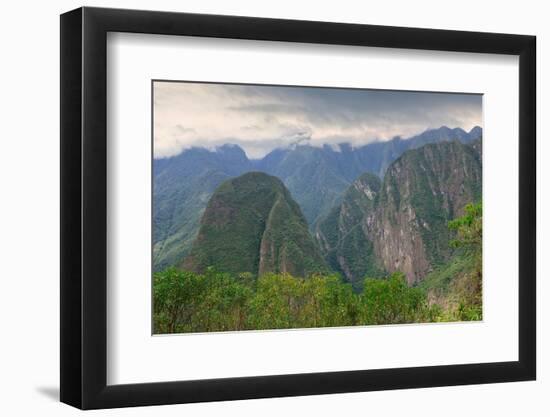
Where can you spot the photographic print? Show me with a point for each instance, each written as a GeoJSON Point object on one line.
{"type": "Point", "coordinates": [288, 207]}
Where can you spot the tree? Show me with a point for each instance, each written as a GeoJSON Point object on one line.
{"type": "Point", "coordinates": [469, 229]}
{"type": "Point", "coordinates": [391, 300]}
{"type": "Point", "coordinates": [177, 298]}
{"type": "Point", "coordinates": [467, 291]}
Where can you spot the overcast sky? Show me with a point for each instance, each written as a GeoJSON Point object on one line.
{"type": "Point", "coordinates": [262, 118]}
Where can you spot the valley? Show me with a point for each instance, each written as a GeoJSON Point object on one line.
{"type": "Point", "coordinates": [316, 177]}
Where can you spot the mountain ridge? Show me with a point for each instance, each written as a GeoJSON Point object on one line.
{"type": "Point", "coordinates": [316, 177]}
{"type": "Point", "coordinates": [252, 225]}
{"type": "Point", "coordinates": [404, 228]}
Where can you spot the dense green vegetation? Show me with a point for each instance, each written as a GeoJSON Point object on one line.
{"type": "Point", "coordinates": [317, 178]}
{"type": "Point", "coordinates": [341, 237]}
{"type": "Point", "coordinates": [254, 264]}
{"type": "Point", "coordinates": [215, 301]}
{"type": "Point", "coordinates": [457, 286]}
{"type": "Point", "coordinates": [252, 224]}
{"type": "Point", "coordinates": [401, 222]}
{"type": "Point", "coordinates": [182, 186]}
{"type": "Point", "coordinates": [436, 181]}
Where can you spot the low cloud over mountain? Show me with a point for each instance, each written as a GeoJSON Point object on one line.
{"type": "Point", "coordinates": [263, 118]}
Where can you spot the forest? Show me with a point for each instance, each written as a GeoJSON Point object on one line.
{"type": "Point", "coordinates": [213, 300]}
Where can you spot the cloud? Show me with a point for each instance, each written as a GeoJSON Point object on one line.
{"type": "Point", "coordinates": [261, 118]}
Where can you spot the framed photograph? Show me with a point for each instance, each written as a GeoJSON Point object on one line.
{"type": "Point", "coordinates": [257, 208]}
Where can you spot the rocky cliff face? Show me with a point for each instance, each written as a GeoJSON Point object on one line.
{"type": "Point", "coordinates": [343, 234]}
{"type": "Point", "coordinates": [422, 191]}
{"type": "Point", "coordinates": [405, 225]}
{"type": "Point", "coordinates": [317, 178]}
{"type": "Point", "coordinates": [252, 224]}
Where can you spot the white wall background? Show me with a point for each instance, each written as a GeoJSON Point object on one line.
{"type": "Point", "coordinates": [29, 225]}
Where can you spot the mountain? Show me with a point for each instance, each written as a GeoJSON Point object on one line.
{"type": "Point", "coordinates": [341, 234]}
{"type": "Point", "coordinates": [182, 186]}
{"type": "Point", "coordinates": [252, 225]}
{"type": "Point", "coordinates": [382, 154]}
{"type": "Point", "coordinates": [312, 175]}
{"type": "Point", "coordinates": [478, 146]}
{"type": "Point", "coordinates": [317, 178]}
{"type": "Point", "coordinates": [401, 225]}
{"type": "Point", "coordinates": [422, 191]}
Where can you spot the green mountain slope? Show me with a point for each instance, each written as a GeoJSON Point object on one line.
{"type": "Point", "coordinates": [313, 177]}
{"type": "Point", "coordinates": [252, 225]}
{"type": "Point", "coordinates": [341, 234]}
{"type": "Point", "coordinates": [182, 186]}
{"type": "Point", "coordinates": [422, 191]}
{"type": "Point", "coordinates": [405, 227]}
{"type": "Point", "coordinates": [316, 177]}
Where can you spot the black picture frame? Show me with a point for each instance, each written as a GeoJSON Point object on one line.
{"type": "Point", "coordinates": [84, 207]}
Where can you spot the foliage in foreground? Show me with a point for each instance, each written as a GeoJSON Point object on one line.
{"type": "Point", "coordinates": [215, 301]}
{"type": "Point", "coordinates": [457, 286]}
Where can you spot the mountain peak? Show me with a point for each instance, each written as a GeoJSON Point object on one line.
{"type": "Point", "coordinates": [446, 130]}
{"type": "Point", "coordinates": [252, 224]}
{"type": "Point", "coordinates": [475, 132]}
{"type": "Point", "coordinates": [317, 178]}
{"type": "Point", "coordinates": [414, 185]}
{"type": "Point", "coordinates": [231, 148]}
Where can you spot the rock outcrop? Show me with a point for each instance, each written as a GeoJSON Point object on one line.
{"type": "Point", "coordinates": [404, 228]}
